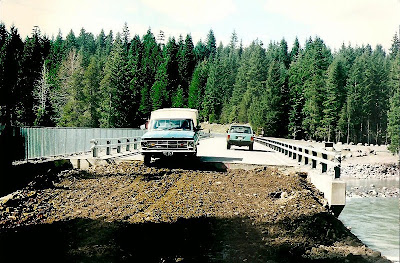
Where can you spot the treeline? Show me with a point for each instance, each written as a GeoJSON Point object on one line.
{"type": "Point", "coordinates": [307, 92]}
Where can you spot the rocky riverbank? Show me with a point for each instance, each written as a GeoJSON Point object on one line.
{"type": "Point", "coordinates": [373, 191]}
{"type": "Point", "coordinates": [130, 212]}
{"type": "Point", "coordinates": [371, 180]}
{"type": "Point", "coordinates": [370, 171]}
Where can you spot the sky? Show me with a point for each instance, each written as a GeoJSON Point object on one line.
{"type": "Point", "coordinates": [355, 22]}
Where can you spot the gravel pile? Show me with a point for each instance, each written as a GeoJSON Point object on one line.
{"type": "Point", "coordinates": [24, 207]}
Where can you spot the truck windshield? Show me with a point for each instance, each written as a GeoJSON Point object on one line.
{"type": "Point", "coordinates": [172, 124]}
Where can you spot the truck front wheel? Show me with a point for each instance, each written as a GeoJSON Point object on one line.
{"type": "Point", "coordinates": [147, 159]}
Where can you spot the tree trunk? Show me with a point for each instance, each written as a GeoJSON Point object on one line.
{"type": "Point", "coordinates": [377, 133]}
{"type": "Point", "coordinates": [368, 130]}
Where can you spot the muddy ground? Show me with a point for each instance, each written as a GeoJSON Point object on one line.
{"type": "Point", "coordinates": [133, 213]}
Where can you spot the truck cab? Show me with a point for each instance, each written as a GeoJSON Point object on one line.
{"type": "Point", "coordinates": [171, 132]}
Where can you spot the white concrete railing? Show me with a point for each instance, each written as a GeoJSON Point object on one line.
{"type": "Point", "coordinates": [306, 154]}
{"type": "Point", "coordinates": [114, 143]}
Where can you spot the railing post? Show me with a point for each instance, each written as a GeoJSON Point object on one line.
{"type": "Point", "coordinates": [314, 162]}
{"type": "Point", "coordinates": [95, 150]}
{"type": "Point", "coordinates": [338, 160]}
{"type": "Point", "coordinates": [300, 157]}
{"type": "Point", "coordinates": [294, 154]}
{"type": "Point", "coordinates": [119, 146]}
{"type": "Point", "coordinates": [306, 157]}
{"type": "Point", "coordinates": [108, 149]}
{"type": "Point", "coordinates": [324, 165]}
{"type": "Point", "coordinates": [128, 145]}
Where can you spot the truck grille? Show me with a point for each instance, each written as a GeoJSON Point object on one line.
{"type": "Point", "coordinates": [165, 145]}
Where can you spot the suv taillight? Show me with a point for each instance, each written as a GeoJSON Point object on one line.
{"type": "Point", "coordinates": [252, 138]}
{"type": "Point", "coordinates": [229, 136]}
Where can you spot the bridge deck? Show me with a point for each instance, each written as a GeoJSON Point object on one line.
{"type": "Point", "coordinates": [209, 150]}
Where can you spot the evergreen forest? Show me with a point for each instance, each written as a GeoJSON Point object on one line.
{"type": "Point", "coordinates": [306, 91]}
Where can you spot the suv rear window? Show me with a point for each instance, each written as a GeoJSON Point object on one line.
{"type": "Point", "coordinates": [240, 129]}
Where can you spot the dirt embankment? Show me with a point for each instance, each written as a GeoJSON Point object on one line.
{"type": "Point", "coordinates": [130, 212]}
{"type": "Point", "coordinates": [214, 127]}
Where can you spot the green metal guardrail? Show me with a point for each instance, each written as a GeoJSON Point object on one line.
{"type": "Point", "coordinates": [47, 142]}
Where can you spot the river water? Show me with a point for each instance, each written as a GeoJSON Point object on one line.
{"type": "Point", "coordinates": [374, 220]}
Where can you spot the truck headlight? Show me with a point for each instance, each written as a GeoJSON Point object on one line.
{"type": "Point", "coordinates": [144, 144]}
{"type": "Point", "coordinates": [190, 144]}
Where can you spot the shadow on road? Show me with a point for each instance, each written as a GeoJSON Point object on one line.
{"type": "Point", "coordinates": [18, 176]}
{"type": "Point", "coordinates": [206, 159]}
{"type": "Point", "coordinates": [254, 150]}
{"type": "Point", "coordinates": [85, 240]}
{"type": "Point", "coordinates": [204, 239]}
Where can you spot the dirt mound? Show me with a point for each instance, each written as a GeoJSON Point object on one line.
{"type": "Point", "coordinates": [130, 212]}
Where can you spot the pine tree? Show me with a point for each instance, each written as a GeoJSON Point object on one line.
{"type": "Point", "coordinates": [295, 51]}
{"type": "Point", "coordinates": [134, 64]}
{"type": "Point", "coordinates": [151, 59]}
{"type": "Point", "coordinates": [211, 46]}
{"type": "Point", "coordinates": [317, 59]}
{"type": "Point", "coordinates": [91, 92]}
{"type": "Point", "coordinates": [171, 61]}
{"type": "Point", "coordinates": [284, 56]}
{"type": "Point", "coordinates": [86, 46]}
{"type": "Point", "coordinates": [100, 43]}
{"type": "Point", "coordinates": [11, 53]}
{"type": "Point", "coordinates": [186, 63]}
{"type": "Point", "coordinates": [297, 76]}
{"type": "Point", "coordinates": [70, 42]}
{"type": "Point", "coordinates": [159, 91]}
{"type": "Point", "coordinates": [197, 86]}
{"type": "Point", "coordinates": [211, 100]}
{"type": "Point", "coordinates": [378, 92]}
{"type": "Point", "coordinates": [125, 37]}
{"type": "Point", "coordinates": [395, 48]}
{"type": "Point", "coordinates": [334, 99]}
{"type": "Point", "coordinates": [115, 88]}
{"type": "Point", "coordinates": [68, 99]}
{"type": "Point", "coordinates": [177, 100]}
{"type": "Point", "coordinates": [36, 48]}
{"type": "Point", "coordinates": [355, 103]}
{"type": "Point", "coordinates": [255, 75]}
{"type": "Point", "coordinates": [394, 109]}
{"type": "Point", "coordinates": [271, 104]}
{"type": "Point", "coordinates": [200, 51]}
{"type": "Point", "coordinates": [109, 43]}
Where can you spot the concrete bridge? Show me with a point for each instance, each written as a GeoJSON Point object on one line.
{"type": "Point", "coordinates": [319, 161]}
{"type": "Point", "coordinates": [88, 147]}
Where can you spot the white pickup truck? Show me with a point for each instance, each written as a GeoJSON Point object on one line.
{"type": "Point", "coordinates": [171, 131]}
